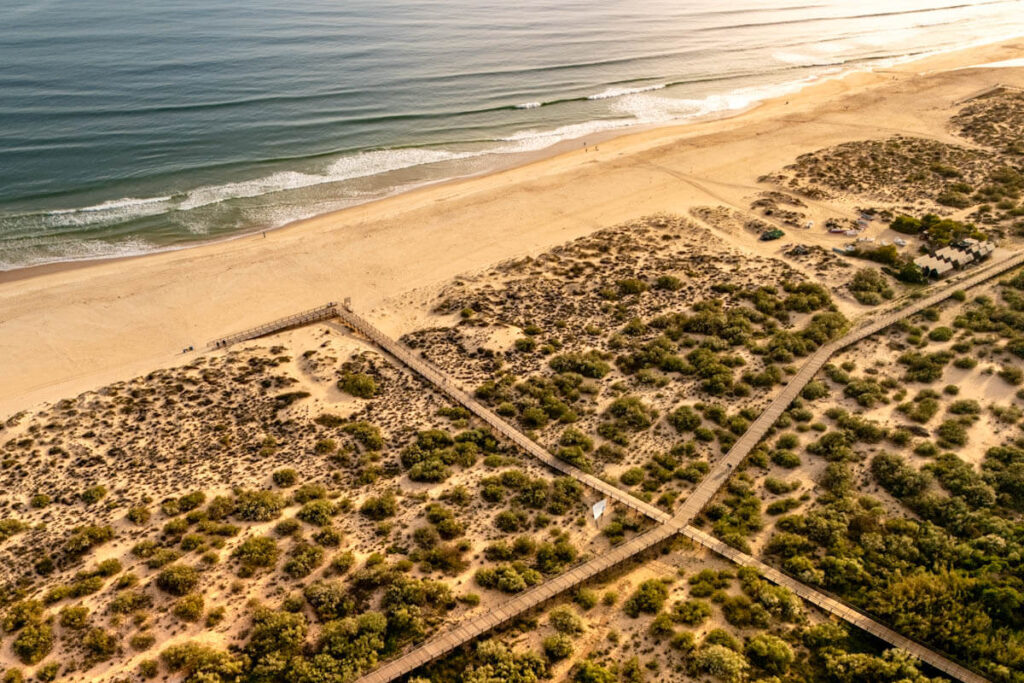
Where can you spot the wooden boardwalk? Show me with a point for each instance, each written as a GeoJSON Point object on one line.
{"type": "Point", "coordinates": [313, 315]}
{"type": "Point", "coordinates": [679, 523]}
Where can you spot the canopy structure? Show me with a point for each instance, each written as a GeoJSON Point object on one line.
{"type": "Point", "coordinates": [932, 266]}
{"type": "Point", "coordinates": [956, 257]}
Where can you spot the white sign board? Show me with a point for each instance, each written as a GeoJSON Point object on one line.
{"type": "Point", "coordinates": [599, 508]}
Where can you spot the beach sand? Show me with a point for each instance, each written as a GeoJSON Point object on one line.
{"type": "Point", "coordinates": [69, 328]}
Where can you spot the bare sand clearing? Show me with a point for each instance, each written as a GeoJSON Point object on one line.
{"type": "Point", "coordinates": [64, 330]}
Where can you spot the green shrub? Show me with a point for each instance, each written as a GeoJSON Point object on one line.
{"type": "Point", "coordinates": [565, 620]}
{"type": "Point", "coordinates": [303, 559]}
{"type": "Point", "coordinates": [778, 486]}
{"type": "Point", "coordinates": [33, 643]}
{"type": "Point", "coordinates": [557, 647]}
{"type": "Point", "coordinates": [189, 608]}
{"type": "Point", "coordinates": [128, 601]}
{"type": "Point", "coordinates": [585, 598]}
{"type": "Point", "coordinates": [682, 641]}
{"type": "Point", "coordinates": [186, 503]}
{"type": "Point", "coordinates": [952, 432]}
{"type": "Point", "coordinates": [668, 283]}
{"type": "Point", "coordinates": [177, 579]}
{"type": "Point", "coordinates": [21, 614]}
{"type": "Point", "coordinates": [358, 384]}
{"type": "Point", "coordinates": [957, 200]}
{"type": "Point", "coordinates": [257, 551]}
{"type": "Point", "coordinates": [330, 599]}
{"type": "Point", "coordinates": [74, 617]}
{"type": "Point", "coordinates": [85, 538]}
{"type": "Point", "coordinates": [589, 364]}
{"type": "Point", "coordinates": [100, 644]}
{"type": "Point", "coordinates": [787, 459]}
{"type": "Point", "coordinates": [141, 641]}
{"type": "Point", "coordinates": [632, 476]}
{"type": "Point", "coordinates": [202, 663]}
{"type": "Point", "coordinates": [366, 433]}
{"type": "Point", "coordinates": [631, 285]}
{"type": "Point", "coordinates": [48, 672]}
{"type": "Point", "coordinates": [870, 287]}
{"type": "Point", "coordinates": [631, 413]}
{"type": "Point", "coordinates": [40, 500]}
{"type": "Point", "coordinates": [814, 390]}
{"type": "Point", "coordinates": [589, 671]}
{"type": "Point", "coordinates": [720, 661]}
{"type": "Point", "coordinates": [1011, 375]}
{"type": "Point", "coordinates": [379, 507]}
{"type": "Point", "coordinates": [317, 512]}
{"type": "Point", "coordinates": [93, 494]}
{"type": "Point", "coordinates": [149, 668]}
{"type": "Point", "coordinates": [285, 477]}
{"type": "Point", "coordinates": [649, 598]}
{"type": "Point", "coordinates": [684, 419]}
{"type": "Point", "coordinates": [770, 653]}
{"type": "Point", "coordinates": [691, 612]}
{"type": "Point", "coordinates": [470, 599]}
{"type": "Point", "coordinates": [965, 407]}
{"type": "Point", "coordinates": [508, 578]}
{"type": "Point", "coordinates": [525, 344]}
{"type": "Point", "coordinates": [258, 506]}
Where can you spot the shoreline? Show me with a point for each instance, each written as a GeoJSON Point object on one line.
{"type": "Point", "coordinates": [528, 158]}
{"type": "Point", "coordinates": [68, 327]}
{"type": "Point", "coordinates": [519, 160]}
{"type": "Point", "coordinates": [567, 146]}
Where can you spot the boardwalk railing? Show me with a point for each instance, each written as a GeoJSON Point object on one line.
{"type": "Point", "coordinates": [671, 525]}
{"type": "Point", "coordinates": [297, 320]}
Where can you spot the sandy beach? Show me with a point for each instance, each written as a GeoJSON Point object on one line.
{"type": "Point", "coordinates": [66, 329]}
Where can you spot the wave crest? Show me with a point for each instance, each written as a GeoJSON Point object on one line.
{"type": "Point", "coordinates": [612, 93]}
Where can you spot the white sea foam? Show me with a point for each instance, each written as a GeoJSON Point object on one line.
{"type": "Point", "coordinates": [43, 250]}
{"type": "Point", "coordinates": [115, 205]}
{"type": "Point", "coordinates": [106, 213]}
{"type": "Point", "coordinates": [612, 93]}
{"type": "Point", "coordinates": [533, 140]}
{"type": "Point", "coordinates": [1005, 64]}
{"type": "Point", "coordinates": [350, 167]}
{"type": "Point", "coordinates": [636, 106]}
{"type": "Point", "coordinates": [528, 105]}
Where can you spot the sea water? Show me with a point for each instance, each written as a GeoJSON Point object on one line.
{"type": "Point", "coordinates": [128, 127]}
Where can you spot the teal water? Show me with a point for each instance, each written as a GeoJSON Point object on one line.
{"type": "Point", "coordinates": [131, 127]}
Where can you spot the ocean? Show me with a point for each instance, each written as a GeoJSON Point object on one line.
{"type": "Point", "coordinates": [132, 127]}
